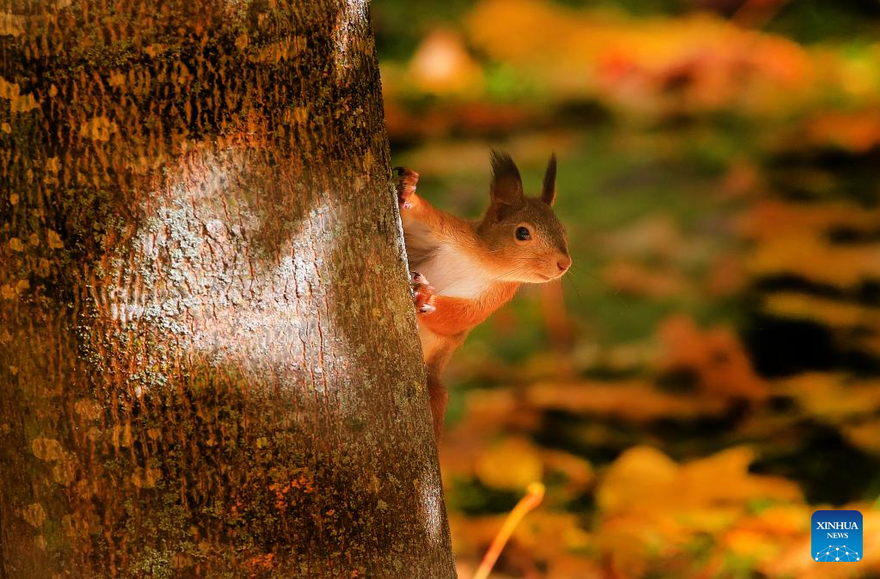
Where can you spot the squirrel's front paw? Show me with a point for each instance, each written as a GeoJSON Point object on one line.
{"type": "Point", "coordinates": [423, 294]}
{"type": "Point", "coordinates": [406, 186]}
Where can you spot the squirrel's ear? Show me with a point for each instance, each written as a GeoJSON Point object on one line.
{"type": "Point", "coordinates": [548, 192]}
{"type": "Point", "coordinates": [507, 186]}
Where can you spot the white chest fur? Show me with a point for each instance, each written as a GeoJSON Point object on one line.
{"type": "Point", "coordinates": [455, 274]}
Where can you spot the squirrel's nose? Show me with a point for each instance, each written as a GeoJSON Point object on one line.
{"type": "Point", "coordinates": [563, 263]}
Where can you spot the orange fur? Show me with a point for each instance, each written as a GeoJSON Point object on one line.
{"type": "Point", "coordinates": [475, 267]}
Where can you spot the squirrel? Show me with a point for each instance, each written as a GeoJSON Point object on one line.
{"type": "Point", "coordinates": [475, 267]}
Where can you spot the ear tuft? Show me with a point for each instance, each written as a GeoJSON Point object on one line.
{"type": "Point", "coordinates": [548, 191]}
{"type": "Point", "coordinates": [507, 186]}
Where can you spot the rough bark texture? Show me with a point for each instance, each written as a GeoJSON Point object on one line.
{"type": "Point", "coordinates": [208, 357]}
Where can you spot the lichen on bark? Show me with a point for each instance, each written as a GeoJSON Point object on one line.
{"type": "Point", "coordinates": [208, 358]}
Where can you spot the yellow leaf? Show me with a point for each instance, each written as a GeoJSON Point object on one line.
{"type": "Point", "coordinates": [512, 464]}
{"type": "Point", "coordinates": [641, 475]}
{"type": "Point", "coordinates": [833, 398]}
{"type": "Point", "coordinates": [865, 435]}
{"type": "Point", "coordinates": [631, 400]}
{"type": "Point", "coordinates": [747, 543]}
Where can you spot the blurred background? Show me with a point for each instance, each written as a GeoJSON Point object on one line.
{"type": "Point", "coordinates": [708, 374]}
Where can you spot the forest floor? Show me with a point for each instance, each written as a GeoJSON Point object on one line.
{"type": "Point", "coordinates": [708, 374]}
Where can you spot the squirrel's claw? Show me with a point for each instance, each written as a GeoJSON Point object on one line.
{"type": "Point", "coordinates": [423, 294]}
{"type": "Point", "coordinates": [406, 186]}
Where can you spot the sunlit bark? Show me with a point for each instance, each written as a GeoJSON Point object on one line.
{"type": "Point", "coordinates": [208, 358]}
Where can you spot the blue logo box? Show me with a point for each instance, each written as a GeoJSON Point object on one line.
{"type": "Point", "coordinates": [837, 536]}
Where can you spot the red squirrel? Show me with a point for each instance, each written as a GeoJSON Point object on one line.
{"type": "Point", "coordinates": [475, 267]}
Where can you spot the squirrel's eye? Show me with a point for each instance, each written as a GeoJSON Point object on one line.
{"type": "Point", "coordinates": [523, 233]}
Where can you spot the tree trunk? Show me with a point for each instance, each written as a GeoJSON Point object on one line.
{"type": "Point", "coordinates": [208, 358]}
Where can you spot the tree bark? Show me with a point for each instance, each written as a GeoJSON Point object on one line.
{"type": "Point", "coordinates": [208, 358]}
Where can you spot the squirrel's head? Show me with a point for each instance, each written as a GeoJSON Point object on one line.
{"type": "Point", "coordinates": [526, 241]}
